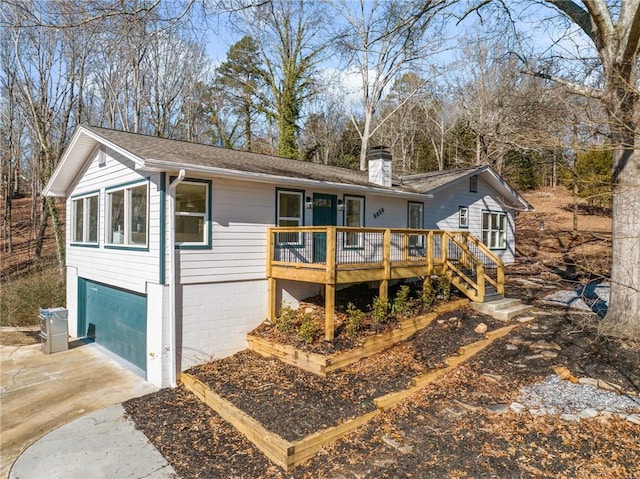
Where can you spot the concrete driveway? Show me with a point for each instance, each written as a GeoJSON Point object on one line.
{"type": "Point", "coordinates": [41, 392]}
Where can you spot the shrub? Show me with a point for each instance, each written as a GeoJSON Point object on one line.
{"type": "Point", "coordinates": [428, 294]}
{"type": "Point", "coordinates": [286, 320]}
{"type": "Point", "coordinates": [402, 303]}
{"type": "Point", "coordinates": [444, 287]}
{"type": "Point", "coordinates": [23, 296]}
{"type": "Point", "coordinates": [307, 329]}
{"type": "Point", "coordinates": [379, 311]}
{"type": "Point", "coordinates": [354, 321]}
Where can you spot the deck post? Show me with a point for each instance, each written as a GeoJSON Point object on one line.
{"type": "Point", "coordinates": [445, 250]}
{"type": "Point", "coordinates": [430, 250]}
{"type": "Point", "coordinates": [481, 282]}
{"type": "Point", "coordinates": [386, 262]}
{"type": "Point", "coordinates": [272, 291]}
{"type": "Point", "coordinates": [330, 285]}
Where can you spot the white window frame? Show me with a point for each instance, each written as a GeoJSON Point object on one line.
{"type": "Point", "coordinates": [300, 220]}
{"type": "Point", "coordinates": [353, 239]}
{"type": "Point", "coordinates": [415, 241]}
{"type": "Point", "coordinates": [493, 236]}
{"type": "Point", "coordinates": [126, 230]}
{"type": "Point", "coordinates": [86, 216]}
{"type": "Point", "coordinates": [206, 242]}
{"type": "Point", "coordinates": [463, 217]}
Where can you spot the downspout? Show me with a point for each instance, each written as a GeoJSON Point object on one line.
{"type": "Point", "coordinates": [172, 278]}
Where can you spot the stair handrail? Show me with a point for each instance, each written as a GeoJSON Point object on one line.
{"type": "Point", "coordinates": [481, 275]}
{"type": "Point", "coordinates": [499, 282]}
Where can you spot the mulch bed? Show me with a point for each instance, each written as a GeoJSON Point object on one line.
{"type": "Point", "coordinates": [294, 403]}
{"type": "Point", "coordinates": [451, 434]}
{"type": "Point", "coordinates": [361, 296]}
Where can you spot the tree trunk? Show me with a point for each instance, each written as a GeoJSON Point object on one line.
{"type": "Point", "coordinates": [42, 229]}
{"type": "Point", "coordinates": [623, 315]}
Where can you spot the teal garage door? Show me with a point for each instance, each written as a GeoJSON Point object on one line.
{"type": "Point", "coordinates": [115, 318]}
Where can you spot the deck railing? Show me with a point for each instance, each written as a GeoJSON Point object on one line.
{"type": "Point", "coordinates": [333, 255]}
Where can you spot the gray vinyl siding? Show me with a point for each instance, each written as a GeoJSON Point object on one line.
{"type": "Point", "coordinates": [442, 213]}
{"type": "Point", "coordinates": [125, 268]}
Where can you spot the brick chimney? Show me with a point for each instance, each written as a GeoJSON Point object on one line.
{"type": "Point", "coordinates": [379, 159]}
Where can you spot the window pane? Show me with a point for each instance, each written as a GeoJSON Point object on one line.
{"type": "Point", "coordinates": [191, 198]}
{"type": "Point", "coordinates": [415, 216]}
{"type": "Point", "coordinates": [116, 215]}
{"type": "Point", "coordinates": [93, 219]}
{"type": "Point", "coordinates": [485, 222]}
{"type": "Point", "coordinates": [290, 206]}
{"type": "Point", "coordinates": [190, 229]}
{"type": "Point", "coordinates": [138, 206]}
{"type": "Point", "coordinates": [354, 212]}
{"type": "Point", "coordinates": [78, 218]}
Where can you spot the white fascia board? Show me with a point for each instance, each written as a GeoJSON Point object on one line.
{"type": "Point", "coordinates": [512, 192]}
{"type": "Point", "coordinates": [49, 190]}
{"type": "Point", "coordinates": [151, 165]}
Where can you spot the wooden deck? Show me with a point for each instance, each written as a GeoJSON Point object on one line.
{"type": "Point", "coordinates": [333, 255]}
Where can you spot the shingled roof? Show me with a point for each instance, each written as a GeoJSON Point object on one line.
{"type": "Point", "coordinates": [175, 153]}
{"type": "Point", "coordinates": [161, 154]}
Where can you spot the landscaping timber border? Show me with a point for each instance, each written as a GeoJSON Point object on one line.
{"type": "Point", "coordinates": [287, 454]}
{"type": "Point", "coordinates": [322, 364]}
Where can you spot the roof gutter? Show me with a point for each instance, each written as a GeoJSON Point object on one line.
{"type": "Point", "coordinates": [285, 180]}
{"type": "Point", "coordinates": [173, 367]}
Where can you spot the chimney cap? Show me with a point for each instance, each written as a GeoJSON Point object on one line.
{"type": "Point", "coordinates": [379, 152]}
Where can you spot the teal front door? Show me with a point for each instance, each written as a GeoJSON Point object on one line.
{"type": "Point", "coordinates": [115, 318]}
{"type": "Point", "coordinates": [324, 214]}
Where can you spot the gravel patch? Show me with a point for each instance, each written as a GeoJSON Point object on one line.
{"type": "Point", "coordinates": [556, 396]}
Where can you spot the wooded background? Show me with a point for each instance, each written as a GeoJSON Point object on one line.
{"type": "Point", "coordinates": [527, 88]}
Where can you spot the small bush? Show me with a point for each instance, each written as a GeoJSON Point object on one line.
{"type": "Point", "coordinates": [428, 294]}
{"type": "Point", "coordinates": [354, 321]}
{"type": "Point", "coordinates": [22, 297]}
{"type": "Point", "coordinates": [307, 329]}
{"type": "Point", "coordinates": [379, 312]}
{"type": "Point", "coordinates": [402, 302]}
{"type": "Point", "coordinates": [286, 320]}
{"type": "Point", "coordinates": [444, 287]}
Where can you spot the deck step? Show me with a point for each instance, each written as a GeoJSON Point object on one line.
{"type": "Point", "coordinates": [502, 309]}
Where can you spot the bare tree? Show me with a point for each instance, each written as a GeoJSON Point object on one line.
{"type": "Point", "coordinates": [382, 40]}
{"type": "Point", "coordinates": [613, 29]}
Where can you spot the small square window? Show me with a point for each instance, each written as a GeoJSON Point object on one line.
{"type": "Point", "coordinates": [463, 217]}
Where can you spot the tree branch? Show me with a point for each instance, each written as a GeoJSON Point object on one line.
{"type": "Point", "coordinates": [574, 88]}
